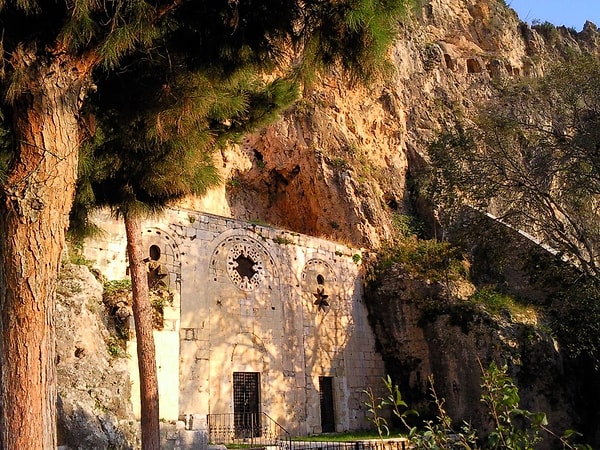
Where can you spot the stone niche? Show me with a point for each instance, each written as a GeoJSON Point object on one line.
{"type": "Point", "coordinates": [261, 318]}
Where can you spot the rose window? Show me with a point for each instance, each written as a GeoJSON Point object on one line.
{"type": "Point", "coordinates": [245, 266]}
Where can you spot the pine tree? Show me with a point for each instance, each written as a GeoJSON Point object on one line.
{"type": "Point", "coordinates": [172, 134]}
{"type": "Point", "coordinates": [55, 53]}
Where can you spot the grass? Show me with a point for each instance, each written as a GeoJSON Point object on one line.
{"type": "Point", "coordinates": [428, 259]}
{"type": "Point", "coordinates": [496, 303]}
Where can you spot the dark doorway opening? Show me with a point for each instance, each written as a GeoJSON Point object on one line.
{"type": "Point", "coordinates": [246, 404]}
{"type": "Point", "coordinates": [326, 399]}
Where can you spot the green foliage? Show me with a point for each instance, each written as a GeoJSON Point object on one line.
{"type": "Point", "coordinates": [395, 401]}
{"type": "Point", "coordinates": [160, 298]}
{"type": "Point", "coordinates": [440, 434]}
{"type": "Point", "coordinates": [282, 240]}
{"type": "Point", "coordinates": [117, 287]}
{"type": "Point", "coordinates": [340, 163]}
{"type": "Point", "coordinates": [426, 258]}
{"type": "Point", "coordinates": [496, 303]}
{"type": "Point", "coordinates": [374, 406]}
{"type": "Point", "coordinates": [501, 396]}
{"type": "Point", "coordinates": [546, 29]}
{"type": "Point", "coordinates": [353, 35]}
{"type": "Point", "coordinates": [513, 428]}
{"type": "Point", "coordinates": [406, 225]}
{"type": "Point", "coordinates": [115, 347]}
{"type": "Point", "coordinates": [575, 312]}
{"type": "Point", "coordinates": [350, 436]}
{"type": "Point", "coordinates": [531, 157]}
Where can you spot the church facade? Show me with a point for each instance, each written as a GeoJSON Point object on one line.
{"type": "Point", "coordinates": [261, 321]}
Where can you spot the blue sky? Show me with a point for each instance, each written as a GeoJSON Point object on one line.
{"type": "Point", "coordinates": [572, 13]}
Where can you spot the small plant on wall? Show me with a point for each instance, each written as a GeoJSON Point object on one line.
{"type": "Point", "coordinates": [116, 297]}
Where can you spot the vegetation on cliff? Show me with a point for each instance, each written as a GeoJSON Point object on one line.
{"type": "Point", "coordinates": [531, 161]}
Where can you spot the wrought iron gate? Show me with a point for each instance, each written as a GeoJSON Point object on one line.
{"type": "Point", "coordinates": [246, 404]}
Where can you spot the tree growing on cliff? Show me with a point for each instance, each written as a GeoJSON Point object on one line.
{"type": "Point", "coordinates": [53, 53]}
{"type": "Point", "coordinates": [532, 159]}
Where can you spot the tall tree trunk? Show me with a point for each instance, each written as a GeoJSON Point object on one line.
{"type": "Point", "coordinates": [34, 208]}
{"type": "Point", "coordinates": [142, 314]}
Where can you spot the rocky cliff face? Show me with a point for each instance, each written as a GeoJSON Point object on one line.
{"type": "Point", "coordinates": [425, 329]}
{"type": "Point", "coordinates": [340, 162]}
{"type": "Point", "coordinates": [339, 165]}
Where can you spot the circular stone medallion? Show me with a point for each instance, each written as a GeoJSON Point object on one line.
{"type": "Point", "coordinates": [245, 266]}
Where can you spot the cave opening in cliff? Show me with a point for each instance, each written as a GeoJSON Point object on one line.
{"type": "Point", "coordinates": [473, 66]}
{"type": "Point", "coordinates": [448, 61]}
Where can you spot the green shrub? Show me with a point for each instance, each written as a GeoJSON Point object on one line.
{"type": "Point", "coordinates": [406, 225]}
{"type": "Point", "coordinates": [498, 303]}
{"type": "Point", "coordinates": [116, 287]}
{"type": "Point", "coordinates": [513, 428]}
{"type": "Point", "coordinates": [429, 259]}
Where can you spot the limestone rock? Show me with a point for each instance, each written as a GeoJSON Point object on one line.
{"type": "Point", "coordinates": [341, 163]}
{"type": "Point", "coordinates": [94, 401]}
{"type": "Point", "coordinates": [423, 330]}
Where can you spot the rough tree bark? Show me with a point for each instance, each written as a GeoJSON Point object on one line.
{"type": "Point", "coordinates": [34, 208]}
{"type": "Point", "coordinates": [142, 314]}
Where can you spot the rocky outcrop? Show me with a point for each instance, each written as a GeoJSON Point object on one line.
{"type": "Point", "coordinates": [341, 164]}
{"type": "Point", "coordinates": [425, 328]}
{"type": "Point", "coordinates": [94, 391]}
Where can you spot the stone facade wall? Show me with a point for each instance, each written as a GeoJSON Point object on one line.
{"type": "Point", "coordinates": [286, 308]}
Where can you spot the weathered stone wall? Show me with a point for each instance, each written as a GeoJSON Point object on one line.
{"type": "Point", "coordinates": [251, 298]}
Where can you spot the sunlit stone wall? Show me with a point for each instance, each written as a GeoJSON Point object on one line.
{"type": "Point", "coordinates": [284, 308]}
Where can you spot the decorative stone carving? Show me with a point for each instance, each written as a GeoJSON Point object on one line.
{"type": "Point", "coordinates": [245, 266]}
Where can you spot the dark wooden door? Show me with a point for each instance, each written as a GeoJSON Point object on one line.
{"type": "Point", "coordinates": [326, 399]}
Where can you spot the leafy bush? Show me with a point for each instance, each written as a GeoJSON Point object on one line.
{"type": "Point", "coordinates": [513, 428]}
{"type": "Point", "coordinates": [114, 287]}
{"type": "Point", "coordinates": [406, 225]}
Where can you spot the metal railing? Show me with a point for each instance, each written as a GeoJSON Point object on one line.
{"type": "Point", "coordinates": [255, 430]}
{"type": "Point", "coordinates": [372, 444]}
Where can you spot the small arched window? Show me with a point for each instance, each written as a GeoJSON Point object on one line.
{"type": "Point", "coordinates": [154, 252]}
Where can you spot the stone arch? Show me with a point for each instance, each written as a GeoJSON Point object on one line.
{"type": "Point", "coordinates": [162, 249]}
{"type": "Point", "coordinates": [319, 284]}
